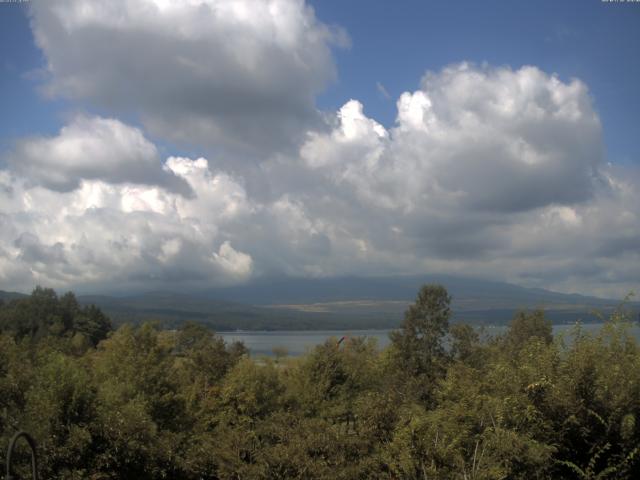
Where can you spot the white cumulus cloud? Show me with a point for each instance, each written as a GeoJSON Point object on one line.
{"type": "Point", "coordinates": [93, 148]}
{"type": "Point", "coordinates": [476, 138]}
{"type": "Point", "coordinates": [119, 236]}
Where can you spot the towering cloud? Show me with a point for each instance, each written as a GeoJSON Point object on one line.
{"type": "Point", "coordinates": [484, 140]}
{"type": "Point", "coordinates": [240, 73]}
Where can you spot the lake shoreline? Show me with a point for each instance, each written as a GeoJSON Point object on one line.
{"type": "Point", "coordinates": [310, 330]}
{"type": "Point", "coordinates": [300, 342]}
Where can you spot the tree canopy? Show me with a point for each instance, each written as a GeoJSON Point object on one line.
{"type": "Point", "coordinates": [440, 402]}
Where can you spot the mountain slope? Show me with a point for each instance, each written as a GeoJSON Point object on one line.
{"type": "Point", "coordinates": [340, 303]}
{"type": "Point", "coordinates": [8, 296]}
{"type": "Point", "coordinates": [467, 293]}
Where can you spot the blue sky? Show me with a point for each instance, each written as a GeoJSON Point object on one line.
{"type": "Point", "coordinates": [222, 141]}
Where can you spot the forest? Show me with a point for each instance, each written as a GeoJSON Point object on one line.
{"type": "Point", "coordinates": [441, 402]}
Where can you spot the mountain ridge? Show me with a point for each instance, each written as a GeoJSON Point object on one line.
{"type": "Point", "coordinates": [341, 303]}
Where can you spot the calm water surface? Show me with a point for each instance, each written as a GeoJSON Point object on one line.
{"type": "Point", "coordinates": [299, 342]}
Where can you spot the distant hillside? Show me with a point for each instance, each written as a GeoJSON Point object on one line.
{"type": "Point", "coordinates": [7, 296]}
{"type": "Point", "coordinates": [467, 293]}
{"type": "Point", "coordinates": [474, 301]}
{"type": "Point", "coordinates": [172, 309]}
{"type": "Point", "coordinates": [341, 303]}
{"type": "Point", "coordinates": [348, 302]}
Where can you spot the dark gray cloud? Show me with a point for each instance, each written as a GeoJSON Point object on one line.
{"type": "Point", "coordinates": [241, 74]}
{"type": "Point", "coordinates": [33, 251]}
{"type": "Point", "coordinates": [93, 148]}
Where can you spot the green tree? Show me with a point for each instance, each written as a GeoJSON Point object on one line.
{"type": "Point", "coordinates": [528, 325]}
{"type": "Point", "coordinates": [43, 314]}
{"type": "Point", "coordinates": [417, 346]}
{"type": "Point", "coordinates": [465, 342]}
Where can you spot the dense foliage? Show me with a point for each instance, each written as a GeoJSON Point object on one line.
{"type": "Point", "coordinates": [143, 403]}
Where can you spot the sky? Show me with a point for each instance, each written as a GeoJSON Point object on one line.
{"type": "Point", "coordinates": [164, 144]}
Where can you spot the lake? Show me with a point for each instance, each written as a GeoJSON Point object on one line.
{"type": "Point", "coordinates": [298, 343]}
